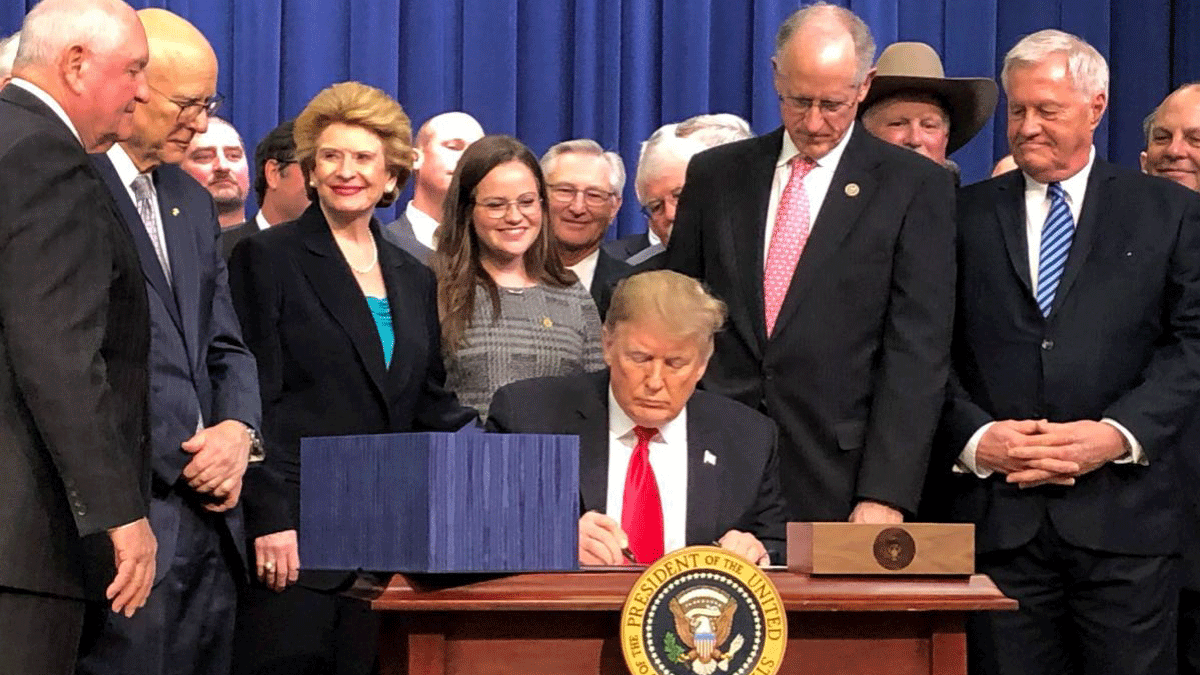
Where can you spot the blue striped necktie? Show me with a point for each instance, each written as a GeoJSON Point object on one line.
{"type": "Point", "coordinates": [1056, 244]}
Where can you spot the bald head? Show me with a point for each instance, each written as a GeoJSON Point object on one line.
{"type": "Point", "coordinates": [439, 144]}
{"type": "Point", "coordinates": [89, 56]}
{"type": "Point", "coordinates": [182, 77]}
{"type": "Point", "coordinates": [1173, 138]}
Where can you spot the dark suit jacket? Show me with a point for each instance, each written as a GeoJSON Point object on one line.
{"type": "Point", "coordinates": [199, 366]}
{"type": "Point", "coordinates": [1122, 341]}
{"type": "Point", "coordinates": [854, 374]}
{"type": "Point", "coordinates": [230, 236]}
{"type": "Point", "coordinates": [400, 233]}
{"type": "Point", "coordinates": [320, 362]}
{"type": "Point", "coordinates": [626, 247]}
{"type": "Point", "coordinates": [73, 343]}
{"type": "Point", "coordinates": [741, 491]}
{"type": "Point", "coordinates": [608, 272]}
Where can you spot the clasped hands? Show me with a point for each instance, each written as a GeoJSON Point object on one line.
{"type": "Point", "coordinates": [220, 455]}
{"type": "Point", "coordinates": [601, 540]}
{"type": "Point", "coordinates": [1037, 452]}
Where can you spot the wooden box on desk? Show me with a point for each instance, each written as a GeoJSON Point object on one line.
{"type": "Point", "coordinates": [439, 502]}
{"type": "Point", "coordinates": [904, 548]}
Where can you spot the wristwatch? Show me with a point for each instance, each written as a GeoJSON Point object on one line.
{"type": "Point", "coordinates": [258, 452]}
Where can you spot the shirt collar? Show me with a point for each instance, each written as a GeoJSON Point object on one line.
{"type": "Point", "coordinates": [122, 164]}
{"type": "Point", "coordinates": [620, 425]}
{"type": "Point", "coordinates": [831, 158]}
{"type": "Point", "coordinates": [50, 103]}
{"type": "Point", "coordinates": [1074, 187]}
{"type": "Point", "coordinates": [418, 218]}
{"type": "Point", "coordinates": [261, 221]}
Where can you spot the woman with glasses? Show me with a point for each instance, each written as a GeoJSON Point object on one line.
{"type": "Point", "coordinates": [509, 308]}
{"type": "Point", "coordinates": [345, 330]}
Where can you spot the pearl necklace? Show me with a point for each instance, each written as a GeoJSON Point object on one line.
{"type": "Point", "coordinates": [368, 268]}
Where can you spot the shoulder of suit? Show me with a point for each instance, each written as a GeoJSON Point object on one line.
{"type": "Point", "coordinates": [180, 183]}
{"type": "Point", "coordinates": [730, 413]}
{"type": "Point", "coordinates": [731, 154]}
{"type": "Point", "coordinates": [565, 389]}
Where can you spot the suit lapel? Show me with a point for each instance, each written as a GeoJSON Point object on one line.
{"type": "Point", "coordinates": [591, 425]}
{"type": "Point", "coordinates": [151, 268]}
{"type": "Point", "coordinates": [839, 213]}
{"type": "Point", "coordinates": [703, 494]}
{"type": "Point", "coordinates": [181, 254]}
{"type": "Point", "coordinates": [1095, 201]}
{"type": "Point", "coordinates": [747, 236]}
{"type": "Point", "coordinates": [335, 287]}
{"type": "Point", "coordinates": [404, 308]}
{"type": "Point", "coordinates": [1010, 212]}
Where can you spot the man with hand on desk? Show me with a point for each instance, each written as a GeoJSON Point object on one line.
{"type": "Point", "coordinates": [661, 465]}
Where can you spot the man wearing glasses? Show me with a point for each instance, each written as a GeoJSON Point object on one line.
{"type": "Point", "coordinates": [585, 183]}
{"type": "Point", "coordinates": [278, 185]}
{"type": "Point", "coordinates": [204, 402]}
{"type": "Point", "coordinates": [835, 253]}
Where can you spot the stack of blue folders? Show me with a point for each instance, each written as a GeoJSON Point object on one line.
{"type": "Point", "coordinates": [439, 502]}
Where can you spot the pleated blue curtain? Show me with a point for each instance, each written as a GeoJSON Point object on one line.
{"type": "Point", "coordinates": [548, 70]}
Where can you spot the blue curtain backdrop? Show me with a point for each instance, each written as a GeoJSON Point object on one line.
{"type": "Point", "coordinates": [548, 70]}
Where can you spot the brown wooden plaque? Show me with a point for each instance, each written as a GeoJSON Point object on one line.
{"type": "Point", "coordinates": [909, 549]}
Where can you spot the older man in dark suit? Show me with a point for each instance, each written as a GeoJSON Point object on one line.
{"type": "Point", "coordinates": [835, 252]}
{"type": "Point", "coordinates": [1076, 363]}
{"type": "Point", "coordinates": [73, 338]}
{"type": "Point", "coordinates": [205, 403]}
{"type": "Point", "coordinates": [662, 465]}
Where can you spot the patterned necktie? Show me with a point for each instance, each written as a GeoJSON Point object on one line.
{"type": "Point", "coordinates": [1056, 244]}
{"type": "Point", "coordinates": [142, 188]}
{"type": "Point", "coordinates": [787, 240]}
{"type": "Point", "coordinates": [641, 506]}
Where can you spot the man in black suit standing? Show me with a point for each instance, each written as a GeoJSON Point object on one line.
{"type": "Point", "coordinates": [205, 403]}
{"type": "Point", "coordinates": [1076, 362]}
{"type": "Point", "coordinates": [661, 465]}
{"type": "Point", "coordinates": [278, 184]}
{"type": "Point", "coordinates": [73, 338]}
{"type": "Point", "coordinates": [437, 147]}
{"type": "Point", "coordinates": [835, 252]}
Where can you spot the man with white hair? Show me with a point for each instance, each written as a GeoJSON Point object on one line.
{"type": "Point", "coordinates": [74, 337]}
{"type": "Point", "coordinates": [585, 183]}
{"type": "Point", "coordinates": [713, 129]}
{"type": "Point", "coordinates": [8, 52]}
{"type": "Point", "coordinates": [1076, 364]}
{"type": "Point", "coordinates": [438, 145]}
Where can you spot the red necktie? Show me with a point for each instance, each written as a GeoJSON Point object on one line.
{"type": "Point", "coordinates": [787, 240]}
{"type": "Point", "coordinates": [641, 507]}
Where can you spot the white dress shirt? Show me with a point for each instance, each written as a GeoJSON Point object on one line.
{"type": "Point", "coordinates": [423, 225]}
{"type": "Point", "coordinates": [668, 457]}
{"type": "Point", "coordinates": [261, 221]}
{"type": "Point", "coordinates": [50, 103]}
{"type": "Point", "coordinates": [586, 269]}
{"type": "Point", "coordinates": [816, 183]}
{"type": "Point", "coordinates": [1037, 209]}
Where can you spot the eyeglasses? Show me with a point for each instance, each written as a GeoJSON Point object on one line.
{"type": "Point", "coordinates": [565, 194]}
{"type": "Point", "coordinates": [801, 106]}
{"type": "Point", "coordinates": [656, 208]}
{"type": "Point", "coordinates": [527, 204]}
{"type": "Point", "coordinates": [190, 109]}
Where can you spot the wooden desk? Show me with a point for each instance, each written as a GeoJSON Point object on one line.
{"type": "Point", "coordinates": [567, 623]}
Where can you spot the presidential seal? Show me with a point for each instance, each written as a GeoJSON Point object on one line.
{"type": "Point", "coordinates": [701, 610]}
{"type": "Point", "coordinates": [894, 548]}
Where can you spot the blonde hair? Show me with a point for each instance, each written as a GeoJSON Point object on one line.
{"type": "Point", "coordinates": [672, 301]}
{"type": "Point", "coordinates": [359, 105]}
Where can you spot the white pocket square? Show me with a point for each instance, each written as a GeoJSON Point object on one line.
{"type": "Point", "coordinates": [710, 458]}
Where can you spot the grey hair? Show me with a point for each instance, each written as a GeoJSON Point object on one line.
{"type": "Point", "coordinates": [1148, 123]}
{"type": "Point", "coordinates": [8, 52]}
{"type": "Point", "coordinates": [54, 25]}
{"type": "Point", "coordinates": [586, 146]}
{"type": "Point", "coordinates": [714, 129]}
{"type": "Point", "coordinates": [864, 44]}
{"type": "Point", "coordinates": [1087, 68]}
{"type": "Point", "coordinates": [657, 153]}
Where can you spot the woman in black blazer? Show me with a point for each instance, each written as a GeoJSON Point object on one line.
{"type": "Point", "coordinates": [345, 329]}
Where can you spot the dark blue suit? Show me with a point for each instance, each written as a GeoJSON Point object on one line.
{"type": "Point", "coordinates": [200, 373]}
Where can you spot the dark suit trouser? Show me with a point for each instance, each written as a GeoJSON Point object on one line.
{"type": "Point", "coordinates": [38, 633]}
{"type": "Point", "coordinates": [186, 627]}
{"type": "Point", "coordinates": [1189, 632]}
{"type": "Point", "coordinates": [1082, 612]}
{"type": "Point", "coordinates": [301, 631]}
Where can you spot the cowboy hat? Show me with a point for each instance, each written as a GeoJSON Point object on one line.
{"type": "Point", "coordinates": [916, 67]}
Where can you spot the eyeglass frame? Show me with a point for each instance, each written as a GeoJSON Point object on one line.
{"type": "Point", "coordinates": [490, 209]}
{"type": "Point", "coordinates": [654, 209]}
{"type": "Point", "coordinates": [208, 106]}
{"type": "Point", "coordinates": [587, 192]}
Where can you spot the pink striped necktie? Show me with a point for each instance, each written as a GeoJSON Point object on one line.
{"type": "Point", "coordinates": [787, 240]}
